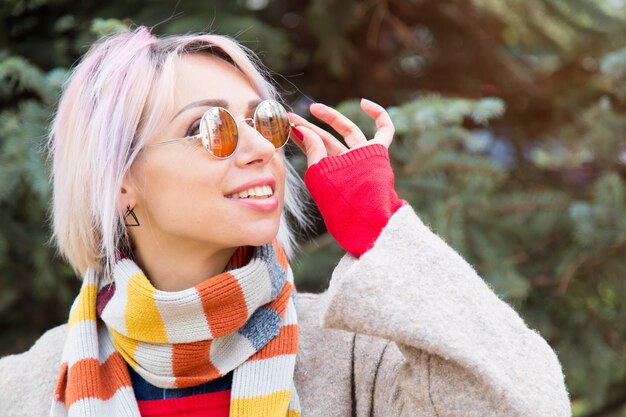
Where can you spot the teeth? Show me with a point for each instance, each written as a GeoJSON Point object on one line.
{"type": "Point", "coordinates": [261, 191]}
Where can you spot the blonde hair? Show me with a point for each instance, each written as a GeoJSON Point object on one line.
{"type": "Point", "coordinates": [111, 104]}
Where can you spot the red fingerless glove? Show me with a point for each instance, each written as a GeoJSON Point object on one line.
{"type": "Point", "coordinates": [355, 195]}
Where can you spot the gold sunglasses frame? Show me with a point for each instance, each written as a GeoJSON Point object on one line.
{"type": "Point", "coordinates": [249, 120]}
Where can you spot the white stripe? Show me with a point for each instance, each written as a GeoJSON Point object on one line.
{"type": "Point", "coordinates": [114, 312]}
{"type": "Point", "coordinates": [291, 317]}
{"type": "Point", "coordinates": [256, 287]}
{"type": "Point", "coordinates": [81, 342]}
{"type": "Point", "coordinates": [122, 403]}
{"type": "Point", "coordinates": [265, 376]}
{"type": "Point", "coordinates": [183, 316]}
{"type": "Point", "coordinates": [58, 409]}
{"type": "Point", "coordinates": [294, 403]}
{"type": "Point", "coordinates": [105, 343]}
{"type": "Point", "coordinates": [230, 351]}
{"type": "Point", "coordinates": [157, 380]}
{"type": "Point", "coordinates": [90, 278]}
{"type": "Point", "coordinates": [289, 274]}
{"type": "Point", "coordinates": [156, 360]}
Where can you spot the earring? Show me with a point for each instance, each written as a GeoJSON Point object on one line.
{"type": "Point", "coordinates": [131, 212]}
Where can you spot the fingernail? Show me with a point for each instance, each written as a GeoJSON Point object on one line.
{"type": "Point", "coordinates": [297, 133]}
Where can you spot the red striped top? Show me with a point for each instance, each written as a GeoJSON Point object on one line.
{"type": "Point", "coordinates": [212, 404]}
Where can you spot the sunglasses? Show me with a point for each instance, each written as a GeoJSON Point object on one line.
{"type": "Point", "coordinates": [219, 131]}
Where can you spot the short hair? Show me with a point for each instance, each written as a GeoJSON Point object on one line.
{"type": "Point", "coordinates": [111, 104]}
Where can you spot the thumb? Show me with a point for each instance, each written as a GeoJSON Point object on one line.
{"type": "Point", "coordinates": [311, 144]}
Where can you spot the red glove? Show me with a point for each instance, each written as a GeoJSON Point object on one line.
{"type": "Point", "coordinates": [355, 195]}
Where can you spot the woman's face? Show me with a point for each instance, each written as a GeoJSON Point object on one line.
{"type": "Point", "coordinates": [183, 195]}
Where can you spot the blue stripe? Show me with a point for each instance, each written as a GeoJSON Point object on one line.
{"type": "Point", "coordinates": [277, 273]}
{"type": "Point", "coordinates": [146, 391]}
{"type": "Point", "coordinates": [262, 327]}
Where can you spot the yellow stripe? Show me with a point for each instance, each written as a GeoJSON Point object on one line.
{"type": "Point", "coordinates": [85, 307]}
{"type": "Point", "coordinates": [269, 405]}
{"type": "Point", "coordinates": [293, 413]}
{"type": "Point", "coordinates": [126, 347]}
{"type": "Point", "coordinates": [143, 320]}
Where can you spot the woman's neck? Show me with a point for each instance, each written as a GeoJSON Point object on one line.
{"type": "Point", "coordinates": [178, 267]}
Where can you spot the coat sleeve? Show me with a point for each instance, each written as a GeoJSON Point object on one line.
{"type": "Point", "coordinates": [457, 349]}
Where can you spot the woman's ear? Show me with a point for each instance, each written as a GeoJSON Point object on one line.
{"type": "Point", "coordinates": [127, 197]}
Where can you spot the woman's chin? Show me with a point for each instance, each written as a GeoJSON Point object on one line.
{"type": "Point", "coordinates": [262, 238]}
{"type": "Point", "coordinates": [257, 233]}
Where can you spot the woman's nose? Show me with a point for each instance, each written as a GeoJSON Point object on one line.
{"type": "Point", "coordinates": [253, 147]}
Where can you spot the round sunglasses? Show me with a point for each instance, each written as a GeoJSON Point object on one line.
{"type": "Point", "coordinates": [219, 131]}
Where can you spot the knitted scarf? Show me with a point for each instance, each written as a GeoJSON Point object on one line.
{"type": "Point", "coordinates": [243, 319]}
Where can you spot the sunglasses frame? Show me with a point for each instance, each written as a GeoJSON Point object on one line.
{"type": "Point", "coordinates": [249, 120]}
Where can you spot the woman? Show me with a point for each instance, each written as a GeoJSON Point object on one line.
{"type": "Point", "coordinates": [173, 211]}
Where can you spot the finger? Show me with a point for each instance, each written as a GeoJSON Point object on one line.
{"type": "Point", "coordinates": [345, 127]}
{"type": "Point", "coordinates": [385, 129]}
{"type": "Point", "coordinates": [312, 145]}
{"type": "Point", "coordinates": [297, 140]}
{"type": "Point", "coordinates": [333, 146]}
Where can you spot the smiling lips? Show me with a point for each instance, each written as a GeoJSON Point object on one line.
{"type": "Point", "coordinates": [262, 191]}
{"type": "Point", "coordinates": [257, 194]}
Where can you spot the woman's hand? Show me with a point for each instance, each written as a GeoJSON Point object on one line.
{"type": "Point", "coordinates": [316, 143]}
{"type": "Point", "coordinates": [352, 185]}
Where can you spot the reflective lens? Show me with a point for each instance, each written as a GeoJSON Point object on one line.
{"type": "Point", "coordinates": [218, 128]}
{"type": "Point", "coordinates": [219, 132]}
{"type": "Point", "coordinates": [271, 121]}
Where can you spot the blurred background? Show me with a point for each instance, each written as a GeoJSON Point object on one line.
{"type": "Point", "coordinates": [511, 144]}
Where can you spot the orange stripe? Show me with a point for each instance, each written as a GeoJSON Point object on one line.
{"type": "Point", "coordinates": [59, 391]}
{"type": "Point", "coordinates": [280, 254]}
{"type": "Point", "coordinates": [223, 303]}
{"type": "Point", "coordinates": [241, 257]}
{"type": "Point", "coordinates": [88, 379]}
{"type": "Point", "coordinates": [285, 343]}
{"type": "Point", "coordinates": [191, 363]}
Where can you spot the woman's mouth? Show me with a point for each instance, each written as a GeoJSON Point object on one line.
{"type": "Point", "coordinates": [259, 192]}
{"type": "Point", "coordinates": [260, 198]}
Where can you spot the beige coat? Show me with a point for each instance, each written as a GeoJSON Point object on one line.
{"type": "Point", "coordinates": [409, 329]}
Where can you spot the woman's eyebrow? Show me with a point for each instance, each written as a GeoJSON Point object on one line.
{"type": "Point", "coordinates": [252, 105]}
{"type": "Point", "coordinates": [213, 103]}
{"type": "Point", "coordinates": [208, 103]}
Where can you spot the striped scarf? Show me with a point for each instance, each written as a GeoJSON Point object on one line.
{"type": "Point", "coordinates": [243, 319]}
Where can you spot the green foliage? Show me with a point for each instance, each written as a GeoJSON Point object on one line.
{"type": "Point", "coordinates": [101, 27]}
{"type": "Point", "coordinates": [20, 76]}
{"type": "Point", "coordinates": [35, 289]}
{"type": "Point", "coordinates": [558, 24]}
{"type": "Point", "coordinates": [613, 67]}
